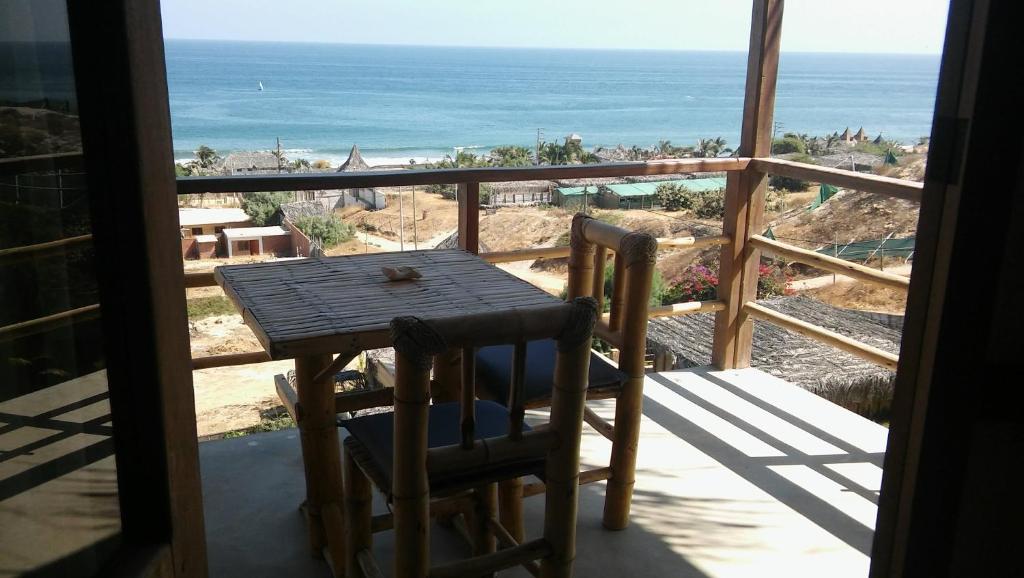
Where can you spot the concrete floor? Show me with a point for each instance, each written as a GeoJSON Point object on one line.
{"type": "Point", "coordinates": [739, 474]}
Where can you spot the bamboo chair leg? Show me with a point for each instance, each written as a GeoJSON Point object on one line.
{"type": "Point", "coordinates": [485, 503]}
{"type": "Point", "coordinates": [562, 470]}
{"type": "Point", "coordinates": [619, 492]}
{"type": "Point", "coordinates": [358, 504]}
{"type": "Point", "coordinates": [510, 507]}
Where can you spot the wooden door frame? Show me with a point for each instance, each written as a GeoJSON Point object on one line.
{"type": "Point", "coordinates": [949, 389]}
{"type": "Point", "coordinates": [121, 82]}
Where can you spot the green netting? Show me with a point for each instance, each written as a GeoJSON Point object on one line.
{"type": "Point", "coordinates": [890, 158]}
{"type": "Point", "coordinates": [769, 234]}
{"type": "Point", "coordinates": [825, 193]}
{"type": "Point", "coordinates": [861, 250]}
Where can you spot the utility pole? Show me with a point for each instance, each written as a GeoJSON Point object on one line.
{"type": "Point", "coordinates": [415, 243]}
{"type": "Point", "coordinates": [401, 222]}
{"type": "Point", "coordinates": [540, 137]}
{"type": "Point", "coordinates": [278, 155]}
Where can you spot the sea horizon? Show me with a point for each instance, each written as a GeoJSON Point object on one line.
{"type": "Point", "coordinates": [402, 102]}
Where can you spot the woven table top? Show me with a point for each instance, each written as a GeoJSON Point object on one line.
{"type": "Point", "coordinates": [345, 304]}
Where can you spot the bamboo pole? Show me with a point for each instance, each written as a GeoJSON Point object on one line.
{"type": "Point", "coordinates": [581, 260]}
{"type": "Point", "coordinates": [321, 453]}
{"type": "Point", "coordinates": [562, 467]}
{"type": "Point", "coordinates": [510, 507]}
{"type": "Point", "coordinates": [467, 395]}
{"type": "Point", "coordinates": [40, 249]}
{"type": "Point", "coordinates": [629, 404]}
{"type": "Point", "coordinates": [485, 506]}
{"type": "Point", "coordinates": [597, 291]}
{"type": "Point", "coordinates": [42, 324]}
{"type": "Point", "coordinates": [358, 508]}
{"type": "Point", "coordinates": [410, 488]}
{"type": "Point", "coordinates": [618, 294]}
{"type": "Point", "coordinates": [828, 263]}
{"type": "Point", "coordinates": [490, 563]}
{"type": "Point", "coordinates": [599, 423]}
{"type": "Point", "coordinates": [837, 340]}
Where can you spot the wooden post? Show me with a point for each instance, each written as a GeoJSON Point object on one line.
{"type": "Point", "coordinates": [640, 259]}
{"type": "Point", "coordinates": [469, 217]}
{"type": "Point", "coordinates": [510, 507]}
{"type": "Point", "coordinates": [485, 505]}
{"type": "Point", "coordinates": [618, 294]}
{"type": "Point", "coordinates": [358, 508]}
{"type": "Point", "coordinates": [600, 257]}
{"type": "Point", "coordinates": [410, 488]}
{"type": "Point", "coordinates": [321, 453]}
{"type": "Point", "coordinates": [745, 191]}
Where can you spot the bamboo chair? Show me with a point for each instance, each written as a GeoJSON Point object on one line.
{"type": "Point", "coordinates": [449, 450]}
{"type": "Point", "coordinates": [626, 328]}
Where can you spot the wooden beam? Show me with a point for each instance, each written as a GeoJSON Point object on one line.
{"type": "Point", "coordinates": [829, 263]}
{"type": "Point", "coordinates": [693, 242]}
{"type": "Point", "coordinates": [405, 178]}
{"type": "Point", "coordinates": [229, 359]}
{"type": "Point", "coordinates": [600, 424]}
{"type": "Point", "coordinates": [837, 340]}
{"type": "Point", "coordinates": [49, 322]}
{"type": "Point", "coordinates": [745, 191]}
{"type": "Point", "coordinates": [40, 249]}
{"type": "Point", "coordinates": [204, 279]}
{"type": "Point", "coordinates": [876, 184]}
{"type": "Point", "coordinates": [469, 217]}
{"type": "Point", "coordinates": [560, 252]}
{"type": "Point", "coordinates": [40, 163]}
{"type": "Point", "coordinates": [363, 399]}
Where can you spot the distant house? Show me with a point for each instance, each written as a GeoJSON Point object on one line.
{"type": "Point", "coordinates": [209, 221]}
{"type": "Point", "coordinates": [644, 195]}
{"type": "Point", "coordinates": [250, 163]}
{"type": "Point", "coordinates": [861, 136]}
{"type": "Point", "coordinates": [851, 138]}
{"type": "Point", "coordinates": [846, 137]}
{"type": "Point", "coordinates": [574, 138]}
{"type": "Point", "coordinates": [257, 241]}
{"type": "Point", "coordinates": [370, 198]}
{"type": "Point", "coordinates": [575, 197]}
{"type": "Point", "coordinates": [201, 229]}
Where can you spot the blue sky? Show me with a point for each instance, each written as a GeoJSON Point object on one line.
{"type": "Point", "coordinates": [893, 26]}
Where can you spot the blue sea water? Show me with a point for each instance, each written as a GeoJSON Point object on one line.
{"type": "Point", "coordinates": [402, 102]}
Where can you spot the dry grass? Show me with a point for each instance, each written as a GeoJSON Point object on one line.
{"type": "Point", "coordinates": [862, 296]}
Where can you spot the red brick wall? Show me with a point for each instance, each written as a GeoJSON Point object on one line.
{"type": "Point", "coordinates": [207, 250]}
{"type": "Point", "coordinates": [279, 246]}
{"type": "Point", "coordinates": [188, 249]}
{"type": "Point", "coordinates": [299, 241]}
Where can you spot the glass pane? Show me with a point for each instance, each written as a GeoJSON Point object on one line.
{"type": "Point", "coordinates": [59, 512]}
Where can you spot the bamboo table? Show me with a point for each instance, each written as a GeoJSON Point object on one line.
{"type": "Point", "coordinates": [310, 309]}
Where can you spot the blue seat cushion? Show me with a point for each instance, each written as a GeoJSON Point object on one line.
{"type": "Point", "coordinates": [494, 372]}
{"type": "Point", "coordinates": [372, 442]}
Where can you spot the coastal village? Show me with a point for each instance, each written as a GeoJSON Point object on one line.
{"type": "Point", "coordinates": [862, 228]}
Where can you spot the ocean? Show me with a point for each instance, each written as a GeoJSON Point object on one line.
{"type": "Point", "coordinates": [410, 102]}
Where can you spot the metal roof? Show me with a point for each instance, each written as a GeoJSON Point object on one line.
{"type": "Point", "coordinates": [649, 188]}
{"type": "Point", "coordinates": [255, 232]}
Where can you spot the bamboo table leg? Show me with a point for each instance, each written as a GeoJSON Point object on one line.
{"type": "Point", "coordinates": [321, 456]}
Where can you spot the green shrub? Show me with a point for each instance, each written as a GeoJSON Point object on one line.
{"type": "Point", "coordinates": [328, 229]}
{"type": "Point", "coordinates": [709, 204]}
{"type": "Point", "coordinates": [781, 183]}
{"type": "Point", "coordinates": [788, 144]}
{"type": "Point", "coordinates": [261, 206]}
{"type": "Point", "coordinates": [674, 197]}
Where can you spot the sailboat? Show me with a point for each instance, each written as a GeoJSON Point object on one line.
{"type": "Point", "coordinates": [260, 82]}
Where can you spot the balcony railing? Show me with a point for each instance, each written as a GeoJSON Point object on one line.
{"type": "Point", "coordinates": [747, 246]}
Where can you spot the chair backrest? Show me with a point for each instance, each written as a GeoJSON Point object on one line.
{"type": "Point", "coordinates": [635, 256]}
{"type": "Point", "coordinates": [417, 341]}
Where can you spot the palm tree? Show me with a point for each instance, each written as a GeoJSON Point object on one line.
{"type": "Point", "coordinates": [300, 164]}
{"type": "Point", "coordinates": [206, 156]}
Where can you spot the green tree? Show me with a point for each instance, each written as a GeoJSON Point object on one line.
{"type": "Point", "coordinates": [328, 229]}
{"type": "Point", "coordinates": [511, 156]}
{"type": "Point", "coordinates": [673, 197]}
{"type": "Point", "coordinates": [206, 157]}
{"type": "Point", "coordinates": [261, 206]}
{"type": "Point", "coordinates": [788, 144]}
{"type": "Point", "coordinates": [300, 164]}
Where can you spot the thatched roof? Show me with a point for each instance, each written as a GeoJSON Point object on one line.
{"type": "Point", "coordinates": [878, 139]}
{"type": "Point", "coordinates": [845, 135]}
{"type": "Point", "coordinates": [861, 135]}
{"type": "Point", "coordinates": [354, 163]}
{"type": "Point", "coordinates": [299, 209]}
{"type": "Point", "coordinates": [519, 186]}
{"type": "Point", "coordinates": [452, 242]}
{"type": "Point", "coordinates": [250, 160]}
{"type": "Point", "coordinates": [825, 370]}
